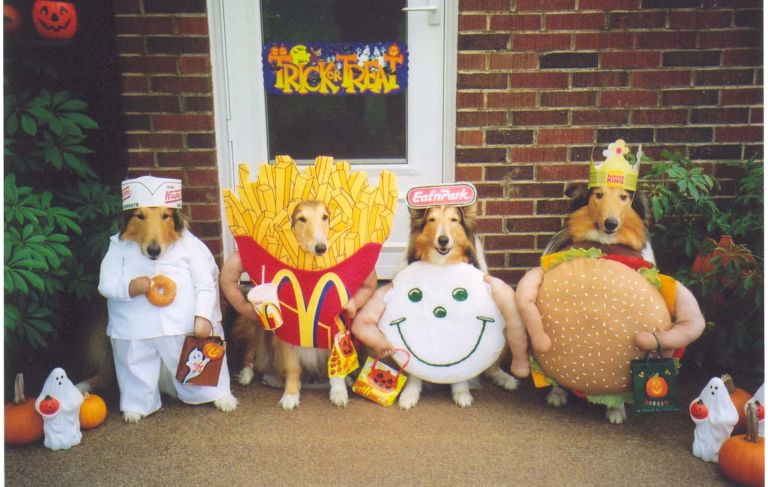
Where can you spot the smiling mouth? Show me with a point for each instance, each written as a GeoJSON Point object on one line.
{"type": "Point", "coordinates": [483, 319]}
{"type": "Point", "coordinates": [443, 250]}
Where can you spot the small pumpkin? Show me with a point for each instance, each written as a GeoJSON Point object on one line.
{"type": "Point", "coordinates": [54, 20]}
{"type": "Point", "coordinates": [214, 350]}
{"type": "Point", "coordinates": [739, 398]}
{"type": "Point", "coordinates": [93, 411]}
{"type": "Point", "coordinates": [11, 18]}
{"type": "Point", "coordinates": [656, 387]}
{"type": "Point", "coordinates": [22, 423]}
{"type": "Point", "coordinates": [742, 457]}
{"type": "Point", "coordinates": [49, 406]}
{"type": "Point", "coordinates": [699, 410]}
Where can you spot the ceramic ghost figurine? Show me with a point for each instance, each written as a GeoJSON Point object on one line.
{"type": "Point", "coordinates": [759, 398]}
{"type": "Point", "coordinates": [59, 405]}
{"type": "Point", "coordinates": [715, 416]}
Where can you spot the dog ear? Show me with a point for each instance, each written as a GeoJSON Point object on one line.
{"type": "Point", "coordinates": [579, 195]}
{"type": "Point", "coordinates": [641, 203]}
{"type": "Point", "coordinates": [418, 218]}
{"type": "Point", "coordinates": [469, 213]}
{"type": "Point", "coordinates": [180, 221]}
{"type": "Point", "coordinates": [123, 220]}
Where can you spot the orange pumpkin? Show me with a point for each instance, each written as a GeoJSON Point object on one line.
{"type": "Point", "coordinates": [213, 350]}
{"type": "Point", "coordinates": [54, 20]}
{"type": "Point", "coordinates": [22, 423]}
{"type": "Point", "coordinates": [742, 457]}
{"type": "Point", "coordinates": [11, 18]}
{"type": "Point", "coordinates": [698, 410]}
{"type": "Point", "coordinates": [49, 406]}
{"type": "Point", "coordinates": [656, 387]}
{"type": "Point", "coordinates": [93, 411]}
{"type": "Point", "coordinates": [739, 397]}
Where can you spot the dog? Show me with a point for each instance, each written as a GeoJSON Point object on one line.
{"type": "Point", "coordinates": [270, 356]}
{"type": "Point", "coordinates": [447, 235]}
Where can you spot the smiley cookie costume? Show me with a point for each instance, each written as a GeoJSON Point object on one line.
{"type": "Point", "coordinates": [446, 318]}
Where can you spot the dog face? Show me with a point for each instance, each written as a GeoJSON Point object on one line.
{"type": "Point", "coordinates": [310, 222]}
{"type": "Point", "coordinates": [443, 235]}
{"type": "Point", "coordinates": [154, 229]}
{"type": "Point", "coordinates": [608, 215]}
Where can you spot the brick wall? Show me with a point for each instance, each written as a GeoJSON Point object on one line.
{"type": "Point", "coordinates": [544, 85]}
{"type": "Point", "coordinates": [164, 58]}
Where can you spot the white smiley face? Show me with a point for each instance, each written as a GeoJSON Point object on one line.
{"type": "Point", "coordinates": [445, 317]}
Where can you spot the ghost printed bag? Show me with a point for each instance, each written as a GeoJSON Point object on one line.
{"type": "Point", "coordinates": [200, 361]}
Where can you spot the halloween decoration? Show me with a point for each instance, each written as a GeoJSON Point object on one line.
{"type": "Point", "coordinates": [11, 18]}
{"type": "Point", "coordinates": [59, 404]}
{"type": "Point", "coordinates": [739, 397]}
{"type": "Point", "coordinates": [22, 423]}
{"type": "Point", "coordinates": [742, 457]}
{"type": "Point", "coordinates": [714, 422]}
{"type": "Point", "coordinates": [201, 360]}
{"type": "Point", "coordinates": [93, 411]}
{"type": "Point", "coordinates": [379, 382]}
{"type": "Point", "coordinates": [54, 20]}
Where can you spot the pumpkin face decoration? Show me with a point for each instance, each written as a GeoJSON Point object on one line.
{"type": "Point", "coordinates": [345, 345]}
{"type": "Point", "coordinates": [656, 387]}
{"type": "Point", "coordinates": [383, 379]}
{"type": "Point", "coordinates": [699, 410]}
{"type": "Point", "coordinates": [54, 20]}
{"type": "Point", "coordinates": [11, 18]}
{"type": "Point", "coordinates": [49, 406]}
{"type": "Point", "coordinates": [213, 350]}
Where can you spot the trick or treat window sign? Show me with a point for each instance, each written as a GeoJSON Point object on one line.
{"type": "Point", "coordinates": [335, 69]}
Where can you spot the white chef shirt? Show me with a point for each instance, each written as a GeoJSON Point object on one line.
{"type": "Point", "coordinates": [188, 262]}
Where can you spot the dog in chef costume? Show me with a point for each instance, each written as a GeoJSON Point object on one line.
{"type": "Point", "coordinates": [147, 338]}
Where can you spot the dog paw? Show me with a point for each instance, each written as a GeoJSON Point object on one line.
{"type": "Point", "coordinates": [339, 395]}
{"type": "Point", "coordinates": [408, 399]}
{"type": "Point", "coordinates": [463, 399]}
{"type": "Point", "coordinates": [289, 401]}
{"type": "Point", "coordinates": [226, 404]}
{"type": "Point", "coordinates": [616, 415]}
{"type": "Point", "coordinates": [557, 397]}
{"type": "Point", "coordinates": [132, 416]}
{"type": "Point", "coordinates": [504, 380]}
{"type": "Point", "coordinates": [245, 376]}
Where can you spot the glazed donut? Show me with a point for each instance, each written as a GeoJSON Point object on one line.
{"type": "Point", "coordinates": [162, 292]}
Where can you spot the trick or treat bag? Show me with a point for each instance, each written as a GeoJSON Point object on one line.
{"type": "Point", "coordinates": [343, 360]}
{"type": "Point", "coordinates": [654, 383]}
{"type": "Point", "coordinates": [379, 382]}
{"type": "Point", "coordinates": [200, 360]}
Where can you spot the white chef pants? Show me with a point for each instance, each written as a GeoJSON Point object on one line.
{"type": "Point", "coordinates": [137, 364]}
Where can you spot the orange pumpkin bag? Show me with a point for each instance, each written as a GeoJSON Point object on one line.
{"type": "Point", "coordinates": [379, 382]}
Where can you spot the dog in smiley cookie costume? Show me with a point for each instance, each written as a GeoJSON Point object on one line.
{"type": "Point", "coordinates": [594, 306]}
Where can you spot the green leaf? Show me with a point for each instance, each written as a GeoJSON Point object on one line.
{"type": "Point", "coordinates": [28, 124]}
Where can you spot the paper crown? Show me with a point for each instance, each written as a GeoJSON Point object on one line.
{"type": "Point", "coordinates": [615, 171]}
{"type": "Point", "coordinates": [151, 192]}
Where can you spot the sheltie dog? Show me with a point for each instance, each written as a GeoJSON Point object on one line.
{"type": "Point", "coordinates": [446, 235]}
{"type": "Point", "coordinates": [274, 358]}
{"type": "Point", "coordinates": [605, 215]}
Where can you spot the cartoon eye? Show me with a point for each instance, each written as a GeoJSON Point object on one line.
{"type": "Point", "coordinates": [415, 295]}
{"type": "Point", "coordinates": [439, 312]}
{"type": "Point", "coordinates": [460, 294]}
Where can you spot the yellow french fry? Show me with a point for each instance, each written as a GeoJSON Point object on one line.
{"type": "Point", "coordinates": [302, 186]}
{"type": "Point", "coordinates": [266, 196]}
{"type": "Point", "coordinates": [357, 181]}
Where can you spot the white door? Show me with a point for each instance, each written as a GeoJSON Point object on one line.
{"type": "Point", "coordinates": [411, 133]}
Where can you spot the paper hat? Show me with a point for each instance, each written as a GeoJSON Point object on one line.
{"type": "Point", "coordinates": [615, 171]}
{"type": "Point", "coordinates": [456, 194]}
{"type": "Point", "coordinates": [151, 192]}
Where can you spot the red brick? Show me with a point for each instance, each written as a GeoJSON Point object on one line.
{"type": "Point", "coordinates": [509, 137]}
{"type": "Point", "coordinates": [561, 172]}
{"type": "Point", "coordinates": [134, 84]}
{"type": "Point", "coordinates": [600, 79]}
{"type": "Point", "coordinates": [733, 3]}
{"type": "Point", "coordinates": [746, 96]}
{"type": "Point", "coordinates": [509, 99]}
{"type": "Point", "coordinates": [551, 5]}
{"type": "Point", "coordinates": [725, 77]}
{"type": "Point", "coordinates": [739, 134]}
{"type": "Point", "coordinates": [686, 134]}
{"type": "Point", "coordinates": [659, 116]}
{"type": "Point", "coordinates": [628, 98]}
{"type": "Point", "coordinates": [743, 57]}
{"type": "Point", "coordinates": [557, 207]}
{"type": "Point", "coordinates": [515, 22]}
{"type": "Point", "coordinates": [566, 136]}
{"type": "Point", "coordinates": [127, 6]}
{"type": "Point", "coordinates": [481, 155]}
{"type": "Point", "coordinates": [604, 40]}
{"type": "Point", "coordinates": [471, 62]}
{"type": "Point", "coordinates": [568, 98]}
{"type": "Point", "coordinates": [661, 79]}
{"type": "Point", "coordinates": [148, 64]}
{"type": "Point", "coordinates": [508, 172]}
{"type": "Point", "coordinates": [730, 38]}
{"type": "Point", "coordinates": [539, 117]}
{"type": "Point", "coordinates": [576, 21]}
{"type": "Point", "coordinates": [187, 158]}
{"type": "Point", "coordinates": [155, 141]}
{"type": "Point", "coordinates": [192, 25]}
{"type": "Point", "coordinates": [487, 190]}
{"type": "Point", "coordinates": [202, 103]}
{"type": "Point", "coordinates": [609, 4]}
{"type": "Point", "coordinates": [140, 158]}
{"type": "Point", "coordinates": [131, 45]}
{"type": "Point", "coordinates": [469, 81]}
{"type": "Point", "coordinates": [186, 84]}
{"type": "Point", "coordinates": [204, 212]}
{"type": "Point", "coordinates": [541, 42]}
{"type": "Point", "coordinates": [489, 225]}
{"type": "Point", "coordinates": [719, 115]}
{"type": "Point", "coordinates": [691, 58]}
{"type": "Point", "coordinates": [538, 80]}
{"type": "Point", "coordinates": [508, 208]}
{"type": "Point", "coordinates": [205, 140]}
{"type": "Point", "coordinates": [469, 173]}
{"type": "Point", "coordinates": [202, 194]}
{"type": "Point", "coordinates": [537, 154]}
{"type": "Point", "coordinates": [182, 123]}
{"type": "Point", "coordinates": [501, 60]}
{"type": "Point", "coordinates": [472, 22]}
{"type": "Point", "coordinates": [137, 123]}
{"type": "Point", "coordinates": [495, 259]}
{"type": "Point", "coordinates": [508, 242]}
{"type": "Point", "coordinates": [469, 137]}
{"type": "Point", "coordinates": [534, 190]}
{"type": "Point", "coordinates": [600, 117]}
{"type": "Point", "coordinates": [637, 20]}
{"type": "Point", "coordinates": [216, 246]}
{"type": "Point", "coordinates": [666, 40]}
{"type": "Point", "coordinates": [201, 177]}
{"type": "Point", "coordinates": [143, 25]}
{"type": "Point", "coordinates": [689, 97]}
{"type": "Point", "coordinates": [699, 19]}
{"type": "Point", "coordinates": [630, 59]}
{"type": "Point", "coordinates": [517, 259]}
{"type": "Point", "coordinates": [177, 45]}
{"type": "Point", "coordinates": [757, 115]}
{"type": "Point", "coordinates": [749, 18]}
{"type": "Point", "coordinates": [632, 135]}
{"type": "Point", "coordinates": [481, 119]}
{"type": "Point", "coordinates": [469, 100]}
{"type": "Point", "coordinates": [483, 5]}
{"type": "Point", "coordinates": [483, 42]}
{"type": "Point", "coordinates": [568, 60]}
{"type": "Point", "coordinates": [529, 225]}
{"type": "Point", "coordinates": [195, 65]}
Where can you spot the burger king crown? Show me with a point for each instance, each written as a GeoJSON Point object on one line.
{"type": "Point", "coordinates": [616, 171]}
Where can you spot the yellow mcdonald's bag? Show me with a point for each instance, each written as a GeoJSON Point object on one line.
{"type": "Point", "coordinates": [379, 382]}
{"type": "Point", "coordinates": [343, 360]}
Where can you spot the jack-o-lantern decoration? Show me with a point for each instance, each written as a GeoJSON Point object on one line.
{"type": "Point", "coordinates": [11, 18]}
{"type": "Point", "coordinates": [346, 346]}
{"type": "Point", "coordinates": [656, 387]}
{"type": "Point", "coordinates": [214, 350]}
{"type": "Point", "coordinates": [383, 379]}
{"type": "Point", "coordinates": [699, 410]}
{"type": "Point", "coordinates": [55, 20]}
{"type": "Point", "coordinates": [49, 406]}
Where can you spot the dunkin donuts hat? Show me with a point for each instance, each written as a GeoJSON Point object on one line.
{"type": "Point", "coordinates": [151, 191]}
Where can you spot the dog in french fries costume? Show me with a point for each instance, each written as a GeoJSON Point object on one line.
{"type": "Point", "coordinates": [594, 307]}
{"type": "Point", "coordinates": [312, 289]}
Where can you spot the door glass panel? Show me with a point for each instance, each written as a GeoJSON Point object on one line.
{"type": "Point", "coordinates": [366, 128]}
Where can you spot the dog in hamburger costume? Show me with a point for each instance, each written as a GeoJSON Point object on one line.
{"type": "Point", "coordinates": [161, 284]}
{"type": "Point", "coordinates": [597, 304]}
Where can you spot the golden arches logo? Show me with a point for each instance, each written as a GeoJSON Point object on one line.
{"type": "Point", "coordinates": [309, 312]}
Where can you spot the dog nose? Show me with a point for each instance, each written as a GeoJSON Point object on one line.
{"type": "Point", "coordinates": [611, 224]}
{"type": "Point", "coordinates": [153, 250]}
{"type": "Point", "coordinates": [442, 240]}
{"type": "Point", "coordinates": [320, 249]}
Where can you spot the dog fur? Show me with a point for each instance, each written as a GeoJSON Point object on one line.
{"type": "Point", "coordinates": [447, 235]}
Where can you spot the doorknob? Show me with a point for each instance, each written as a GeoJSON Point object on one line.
{"type": "Point", "coordinates": [433, 7]}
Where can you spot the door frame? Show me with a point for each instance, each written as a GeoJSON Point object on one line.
{"type": "Point", "coordinates": [222, 109]}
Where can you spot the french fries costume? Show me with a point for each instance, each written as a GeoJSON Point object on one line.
{"type": "Point", "coordinates": [312, 290]}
